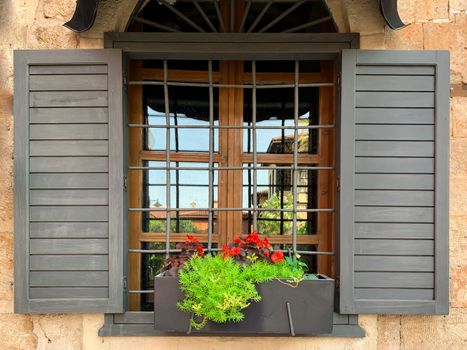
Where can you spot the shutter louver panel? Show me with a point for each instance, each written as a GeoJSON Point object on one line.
{"type": "Point", "coordinates": [68, 181]}
{"type": "Point", "coordinates": [394, 182]}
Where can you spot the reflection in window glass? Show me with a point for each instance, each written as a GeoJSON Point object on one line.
{"type": "Point", "coordinates": [189, 189]}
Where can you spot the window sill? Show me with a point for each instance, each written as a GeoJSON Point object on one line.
{"type": "Point", "coordinates": [142, 324]}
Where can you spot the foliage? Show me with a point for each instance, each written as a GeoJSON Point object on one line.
{"type": "Point", "coordinates": [188, 248]}
{"type": "Point", "coordinates": [184, 226]}
{"type": "Point", "coordinates": [217, 288]}
{"type": "Point", "coordinates": [272, 224]}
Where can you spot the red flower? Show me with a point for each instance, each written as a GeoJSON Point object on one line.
{"type": "Point", "coordinates": [254, 238]}
{"type": "Point", "coordinates": [266, 243]}
{"type": "Point", "coordinates": [191, 239]}
{"type": "Point", "coordinates": [277, 257]}
{"type": "Point", "coordinates": [239, 241]}
{"type": "Point", "coordinates": [199, 249]}
{"type": "Point", "coordinates": [226, 251]}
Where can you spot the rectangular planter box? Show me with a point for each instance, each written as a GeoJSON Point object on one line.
{"type": "Point", "coordinates": [306, 309]}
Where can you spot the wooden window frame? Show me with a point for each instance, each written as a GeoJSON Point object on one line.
{"type": "Point", "coordinates": [224, 46]}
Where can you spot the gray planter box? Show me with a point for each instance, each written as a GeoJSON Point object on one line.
{"type": "Point", "coordinates": [284, 310]}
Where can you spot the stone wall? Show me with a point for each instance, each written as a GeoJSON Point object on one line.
{"type": "Point", "coordinates": [433, 24]}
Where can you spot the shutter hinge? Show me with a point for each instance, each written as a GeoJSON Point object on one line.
{"type": "Point", "coordinates": [125, 283]}
{"type": "Point", "coordinates": [125, 183]}
{"type": "Point", "coordinates": [125, 80]}
{"type": "Point", "coordinates": [338, 79]}
{"type": "Point", "coordinates": [338, 184]}
{"type": "Point", "coordinates": [337, 283]}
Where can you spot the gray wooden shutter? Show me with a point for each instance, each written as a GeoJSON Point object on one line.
{"type": "Point", "coordinates": [68, 181]}
{"type": "Point", "coordinates": [394, 182]}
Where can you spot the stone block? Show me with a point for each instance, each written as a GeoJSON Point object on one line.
{"type": "Point", "coordinates": [459, 117]}
{"type": "Point", "coordinates": [422, 10]}
{"type": "Point", "coordinates": [62, 9]}
{"type": "Point", "coordinates": [449, 36]}
{"type": "Point", "coordinates": [59, 332]}
{"type": "Point", "coordinates": [435, 332]}
{"type": "Point", "coordinates": [16, 332]}
{"type": "Point", "coordinates": [457, 5]}
{"type": "Point", "coordinates": [409, 38]}
{"type": "Point", "coordinates": [51, 34]}
{"type": "Point", "coordinates": [372, 42]}
{"type": "Point", "coordinates": [6, 277]}
{"type": "Point", "coordinates": [389, 332]}
{"type": "Point", "coordinates": [457, 198]}
{"type": "Point", "coordinates": [458, 161]}
{"type": "Point", "coordinates": [364, 16]}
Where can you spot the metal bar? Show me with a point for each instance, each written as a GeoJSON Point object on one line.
{"type": "Point", "coordinates": [281, 16]}
{"type": "Point", "coordinates": [211, 156]}
{"type": "Point", "coordinates": [219, 15]}
{"type": "Point", "coordinates": [260, 16]}
{"type": "Point", "coordinates": [167, 160]}
{"type": "Point", "coordinates": [255, 146]}
{"type": "Point", "coordinates": [182, 16]}
{"type": "Point", "coordinates": [136, 291]}
{"type": "Point", "coordinates": [289, 316]}
{"type": "Point", "coordinates": [307, 25]}
{"type": "Point", "coordinates": [233, 168]}
{"type": "Point", "coordinates": [232, 15]}
{"type": "Point", "coordinates": [155, 25]}
{"type": "Point", "coordinates": [321, 210]}
{"type": "Point", "coordinates": [161, 251]}
{"type": "Point", "coordinates": [205, 17]}
{"type": "Point", "coordinates": [295, 160]}
{"type": "Point", "coordinates": [163, 126]}
{"type": "Point", "coordinates": [231, 86]}
{"type": "Point", "coordinates": [245, 15]}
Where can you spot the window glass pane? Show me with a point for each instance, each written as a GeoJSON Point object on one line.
{"type": "Point", "coordinates": [189, 189]}
{"type": "Point", "coordinates": [189, 119]}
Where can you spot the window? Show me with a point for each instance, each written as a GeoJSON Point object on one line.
{"type": "Point", "coordinates": [223, 148]}
{"type": "Point", "coordinates": [391, 142]}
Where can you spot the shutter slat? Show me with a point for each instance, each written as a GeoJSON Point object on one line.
{"type": "Point", "coordinates": [394, 279]}
{"type": "Point", "coordinates": [395, 99]}
{"type": "Point", "coordinates": [394, 181]}
{"type": "Point", "coordinates": [394, 116]}
{"type": "Point", "coordinates": [69, 262]}
{"type": "Point", "coordinates": [68, 99]}
{"type": "Point", "coordinates": [394, 149]}
{"type": "Point", "coordinates": [388, 198]}
{"type": "Point", "coordinates": [69, 213]}
{"type": "Point", "coordinates": [68, 82]}
{"type": "Point", "coordinates": [69, 148]}
{"type": "Point", "coordinates": [395, 132]}
{"type": "Point", "coordinates": [394, 230]}
{"type": "Point", "coordinates": [395, 165]}
{"type": "Point", "coordinates": [69, 132]}
{"type": "Point", "coordinates": [393, 247]}
{"type": "Point", "coordinates": [69, 246]}
{"type": "Point", "coordinates": [69, 197]}
{"type": "Point", "coordinates": [69, 230]}
{"type": "Point", "coordinates": [68, 115]}
{"type": "Point", "coordinates": [394, 293]}
{"type": "Point", "coordinates": [69, 180]}
{"type": "Point", "coordinates": [394, 214]}
{"type": "Point", "coordinates": [395, 83]}
{"type": "Point", "coordinates": [69, 69]}
{"type": "Point", "coordinates": [69, 278]}
{"type": "Point", "coordinates": [393, 204]}
{"type": "Point", "coordinates": [395, 70]}
{"type": "Point", "coordinates": [395, 263]}
{"type": "Point", "coordinates": [69, 293]}
{"type": "Point", "coordinates": [69, 164]}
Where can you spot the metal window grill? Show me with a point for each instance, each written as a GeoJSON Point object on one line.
{"type": "Point", "coordinates": [255, 209]}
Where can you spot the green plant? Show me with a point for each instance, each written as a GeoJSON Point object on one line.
{"type": "Point", "coordinates": [217, 288]}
